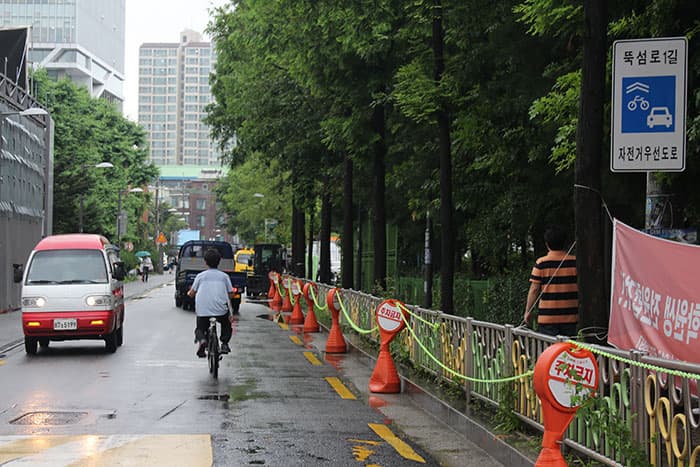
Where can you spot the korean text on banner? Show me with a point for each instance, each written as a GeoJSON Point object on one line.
{"type": "Point", "coordinates": [655, 295]}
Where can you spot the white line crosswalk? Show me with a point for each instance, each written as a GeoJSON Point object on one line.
{"type": "Point", "coordinates": [102, 450]}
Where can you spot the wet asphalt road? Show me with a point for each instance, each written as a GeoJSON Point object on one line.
{"type": "Point", "coordinates": [153, 402]}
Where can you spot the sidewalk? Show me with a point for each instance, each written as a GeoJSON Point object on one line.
{"type": "Point", "coordinates": [11, 322]}
{"type": "Point", "coordinates": [449, 435]}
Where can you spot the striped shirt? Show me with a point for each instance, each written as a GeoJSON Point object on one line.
{"type": "Point", "coordinates": [559, 301]}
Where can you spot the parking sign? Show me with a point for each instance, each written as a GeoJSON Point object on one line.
{"type": "Point", "coordinates": [648, 105]}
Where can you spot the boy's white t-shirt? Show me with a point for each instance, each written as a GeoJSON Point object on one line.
{"type": "Point", "coordinates": [212, 287]}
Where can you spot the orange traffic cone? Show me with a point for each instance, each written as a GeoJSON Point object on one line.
{"type": "Point", "coordinates": [297, 315]}
{"type": "Point", "coordinates": [287, 303]}
{"type": "Point", "coordinates": [385, 378]}
{"type": "Point", "coordinates": [310, 323]}
{"type": "Point", "coordinates": [276, 303]}
{"type": "Point", "coordinates": [336, 341]}
{"type": "Point", "coordinates": [271, 291]}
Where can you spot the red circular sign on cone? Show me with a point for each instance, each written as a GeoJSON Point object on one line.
{"type": "Point", "coordinates": [565, 375]}
{"type": "Point", "coordinates": [310, 322]}
{"type": "Point", "coordinates": [391, 318]}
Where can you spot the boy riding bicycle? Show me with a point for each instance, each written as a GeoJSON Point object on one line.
{"type": "Point", "coordinates": [212, 290]}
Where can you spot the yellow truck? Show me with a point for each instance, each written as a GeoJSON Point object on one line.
{"type": "Point", "coordinates": [243, 260]}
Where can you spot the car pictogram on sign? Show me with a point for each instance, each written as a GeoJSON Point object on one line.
{"type": "Point", "coordinates": [659, 116]}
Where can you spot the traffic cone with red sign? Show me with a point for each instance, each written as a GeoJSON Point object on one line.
{"type": "Point", "coordinates": [276, 303]}
{"type": "Point", "coordinates": [390, 319]}
{"type": "Point", "coordinates": [336, 341]}
{"type": "Point", "coordinates": [271, 290]}
{"type": "Point", "coordinates": [561, 368]}
{"type": "Point", "coordinates": [310, 322]}
{"type": "Point", "coordinates": [297, 315]}
{"type": "Point", "coordinates": [287, 302]}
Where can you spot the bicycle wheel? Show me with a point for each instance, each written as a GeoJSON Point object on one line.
{"type": "Point", "coordinates": [213, 353]}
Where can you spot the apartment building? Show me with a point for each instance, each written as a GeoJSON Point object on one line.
{"type": "Point", "coordinates": [173, 94]}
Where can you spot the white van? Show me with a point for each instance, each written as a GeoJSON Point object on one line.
{"type": "Point", "coordinates": [72, 289]}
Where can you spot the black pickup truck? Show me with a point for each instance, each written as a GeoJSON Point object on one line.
{"type": "Point", "coordinates": [190, 262]}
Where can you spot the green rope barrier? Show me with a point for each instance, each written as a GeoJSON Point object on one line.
{"type": "Point", "coordinates": [646, 366]}
{"type": "Point", "coordinates": [349, 320]}
{"type": "Point", "coordinates": [313, 297]}
{"type": "Point", "coordinates": [457, 374]}
{"type": "Point", "coordinates": [435, 326]}
{"type": "Point", "coordinates": [279, 291]}
{"type": "Point", "coordinates": [291, 294]}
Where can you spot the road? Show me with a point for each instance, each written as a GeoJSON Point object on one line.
{"type": "Point", "coordinates": [277, 400]}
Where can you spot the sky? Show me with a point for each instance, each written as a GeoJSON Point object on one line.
{"type": "Point", "coordinates": [157, 21]}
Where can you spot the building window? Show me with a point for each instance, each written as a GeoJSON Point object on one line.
{"type": "Point", "coordinates": [201, 221]}
{"type": "Point", "coordinates": [201, 204]}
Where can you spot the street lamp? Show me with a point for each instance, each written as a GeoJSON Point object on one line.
{"type": "Point", "coordinates": [119, 212]}
{"type": "Point", "coordinates": [101, 165]}
{"type": "Point", "coordinates": [30, 112]}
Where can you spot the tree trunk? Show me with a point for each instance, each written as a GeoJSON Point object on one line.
{"type": "Point", "coordinates": [324, 262]}
{"type": "Point", "coordinates": [358, 272]}
{"type": "Point", "coordinates": [310, 251]}
{"type": "Point", "coordinates": [379, 213]}
{"type": "Point", "coordinates": [298, 231]}
{"type": "Point", "coordinates": [446, 209]}
{"type": "Point", "coordinates": [593, 306]}
{"type": "Point", "coordinates": [346, 247]}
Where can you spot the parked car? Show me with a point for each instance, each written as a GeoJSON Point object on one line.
{"type": "Point", "coordinates": [72, 289]}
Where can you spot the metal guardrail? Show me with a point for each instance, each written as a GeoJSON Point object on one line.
{"type": "Point", "coordinates": [661, 408]}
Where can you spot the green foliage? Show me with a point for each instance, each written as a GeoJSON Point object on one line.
{"type": "Point", "coordinates": [506, 296]}
{"type": "Point", "coordinates": [89, 131]}
{"type": "Point", "coordinates": [560, 109]}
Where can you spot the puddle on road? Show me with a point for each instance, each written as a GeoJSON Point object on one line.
{"type": "Point", "coordinates": [214, 397]}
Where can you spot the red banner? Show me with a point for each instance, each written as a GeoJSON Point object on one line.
{"type": "Point", "coordinates": [655, 295]}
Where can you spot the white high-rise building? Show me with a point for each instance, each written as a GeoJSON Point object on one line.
{"type": "Point", "coordinates": [173, 94]}
{"type": "Point", "coordinates": [83, 40]}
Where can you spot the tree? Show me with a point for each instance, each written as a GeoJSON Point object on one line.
{"type": "Point", "coordinates": [589, 144]}
{"type": "Point", "coordinates": [89, 131]}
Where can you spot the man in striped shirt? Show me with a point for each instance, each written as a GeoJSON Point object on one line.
{"type": "Point", "coordinates": [554, 276]}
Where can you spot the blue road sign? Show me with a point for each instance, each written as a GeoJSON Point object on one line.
{"type": "Point", "coordinates": [648, 104]}
{"type": "Point", "coordinates": [648, 110]}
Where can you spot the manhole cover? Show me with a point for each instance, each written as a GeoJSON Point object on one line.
{"type": "Point", "coordinates": [49, 418]}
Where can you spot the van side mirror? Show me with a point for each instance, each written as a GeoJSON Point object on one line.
{"type": "Point", "coordinates": [250, 261]}
{"type": "Point", "coordinates": [119, 271]}
{"type": "Point", "coordinates": [17, 272]}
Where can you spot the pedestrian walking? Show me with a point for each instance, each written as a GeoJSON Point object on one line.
{"type": "Point", "coordinates": [554, 282]}
{"type": "Point", "coordinates": [146, 267]}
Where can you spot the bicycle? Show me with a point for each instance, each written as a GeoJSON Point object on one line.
{"type": "Point", "coordinates": [213, 349]}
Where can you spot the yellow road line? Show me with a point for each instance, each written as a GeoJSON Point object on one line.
{"type": "Point", "coordinates": [402, 448]}
{"type": "Point", "coordinates": [296, 340]}
{"type": "Point", "coordinates": [283, 326]}
{"type": "Point", "coordinates": [312, 358]}
{"type": "Point", "coordinates": [340, 388]}
{"type": "Point", "coordinates": [2, 362]}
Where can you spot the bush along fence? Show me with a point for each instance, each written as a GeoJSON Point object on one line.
{"type": "Point", "coordinates": [646, 410]}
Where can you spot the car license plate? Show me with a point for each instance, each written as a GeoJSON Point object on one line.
{"type": "Point", "coordinates": [65, 324]}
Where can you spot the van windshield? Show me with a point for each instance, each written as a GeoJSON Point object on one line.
{"type": "Point", "coordinates": [67, 267]}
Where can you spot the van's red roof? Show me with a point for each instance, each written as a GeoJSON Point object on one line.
{"type": "Point", "coordinates": [72, 242]}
